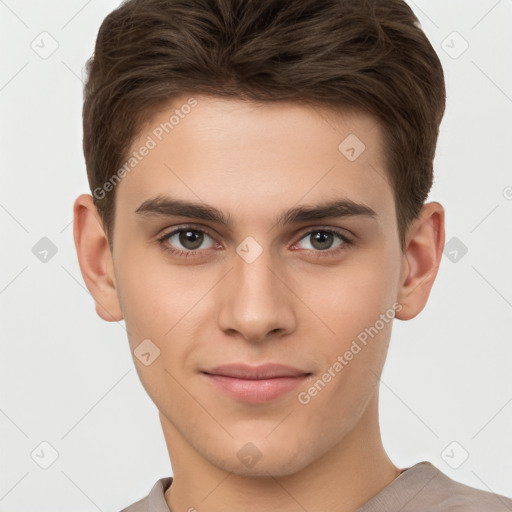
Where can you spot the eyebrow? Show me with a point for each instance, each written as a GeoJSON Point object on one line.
{"type": "Point", "coordinates": [162, 206]}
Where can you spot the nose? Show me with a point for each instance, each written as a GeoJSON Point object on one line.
{"type": "Point", "coordinates": [255, 301]}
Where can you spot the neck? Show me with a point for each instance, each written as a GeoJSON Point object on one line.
{"type": "Point", "coordinates": [341, 480]}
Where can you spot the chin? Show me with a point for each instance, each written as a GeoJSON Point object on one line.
{"type": "Point", "coordinates": [276, 463]}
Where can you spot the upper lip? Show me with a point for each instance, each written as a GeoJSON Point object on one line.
{"type": "Point", "coordinates": [264, 371]}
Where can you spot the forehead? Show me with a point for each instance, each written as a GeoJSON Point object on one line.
{"type": "Point", "coordinates": [233, 153]}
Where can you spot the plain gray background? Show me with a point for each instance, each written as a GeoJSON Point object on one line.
{"type": "Point", "coordinates": [67, 377]}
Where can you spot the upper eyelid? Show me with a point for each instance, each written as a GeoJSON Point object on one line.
{"type": "Point", "coordinates": [341, 232]}
{"type": "Point", "coordinates": [174, 230]}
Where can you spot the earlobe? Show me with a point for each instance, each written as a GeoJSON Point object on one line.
{"type": "Point", "coordinates": [95, 258]}
{"type": "Point", "coordinates": [422, 257]}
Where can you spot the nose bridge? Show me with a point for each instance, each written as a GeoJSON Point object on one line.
{"type": "Point", "coordinates": [254, 300]}
{"type": "Point", "coordinates": [253, 272]}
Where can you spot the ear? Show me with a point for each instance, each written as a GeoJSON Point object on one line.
{"type": "Point", "coordinates": [95, 258]}
{"type": "Point", "coordinates": [422, 257]}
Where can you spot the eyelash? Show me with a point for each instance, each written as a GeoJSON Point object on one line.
{"type": "Point", "coordinates": [347, 243]}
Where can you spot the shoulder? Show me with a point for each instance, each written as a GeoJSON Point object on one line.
{"type": "Point", "coordinates": [154, 501]}
{"type": "Point", "coordinates": [424, 488]}
{"type": "Point", "coordinates": [450, 495]}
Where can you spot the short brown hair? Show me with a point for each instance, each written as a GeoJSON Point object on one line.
{"type": "Point", "coordinates": [363, 54]}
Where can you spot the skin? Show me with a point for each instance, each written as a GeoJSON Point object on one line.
{"type": "Point", "coordinates": [290, 305]}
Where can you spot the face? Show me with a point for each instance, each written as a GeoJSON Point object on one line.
{"type": "Point", "coordinates": [293, 258]}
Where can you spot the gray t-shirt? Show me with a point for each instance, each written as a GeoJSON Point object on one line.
{"type": "Point", "coordinates": [420, 488]}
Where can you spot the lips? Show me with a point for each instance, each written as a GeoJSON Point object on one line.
{"type": "Point", "coordinates": [265, 371]}
{"type": "Point", "coordinates": [255, 384]}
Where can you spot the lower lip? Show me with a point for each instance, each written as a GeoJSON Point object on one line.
{"type": "Point", "coordinates": [256, 391]}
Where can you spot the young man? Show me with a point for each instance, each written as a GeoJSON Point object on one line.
{"type": "Point", "coordinates": [259, 172]}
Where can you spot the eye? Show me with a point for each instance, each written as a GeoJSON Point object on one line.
{"type": "Point", "coordinates": [189, 238]}
{"type": "Point", "coordinates": [188, 241]}
{"type": "Point", "coordinates": [324, 241]}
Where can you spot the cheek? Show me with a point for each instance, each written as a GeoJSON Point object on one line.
{"type": "Point", "coordinates": [355, 294]}
{"type": "Point", "coordinates": [154, 296]}
{"type": "Point", "coordinates": [155, 304]}
{"type": "Point", "coordinates": [161, 304]}
{"type": "Point", "coordinates": [353, 356]}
